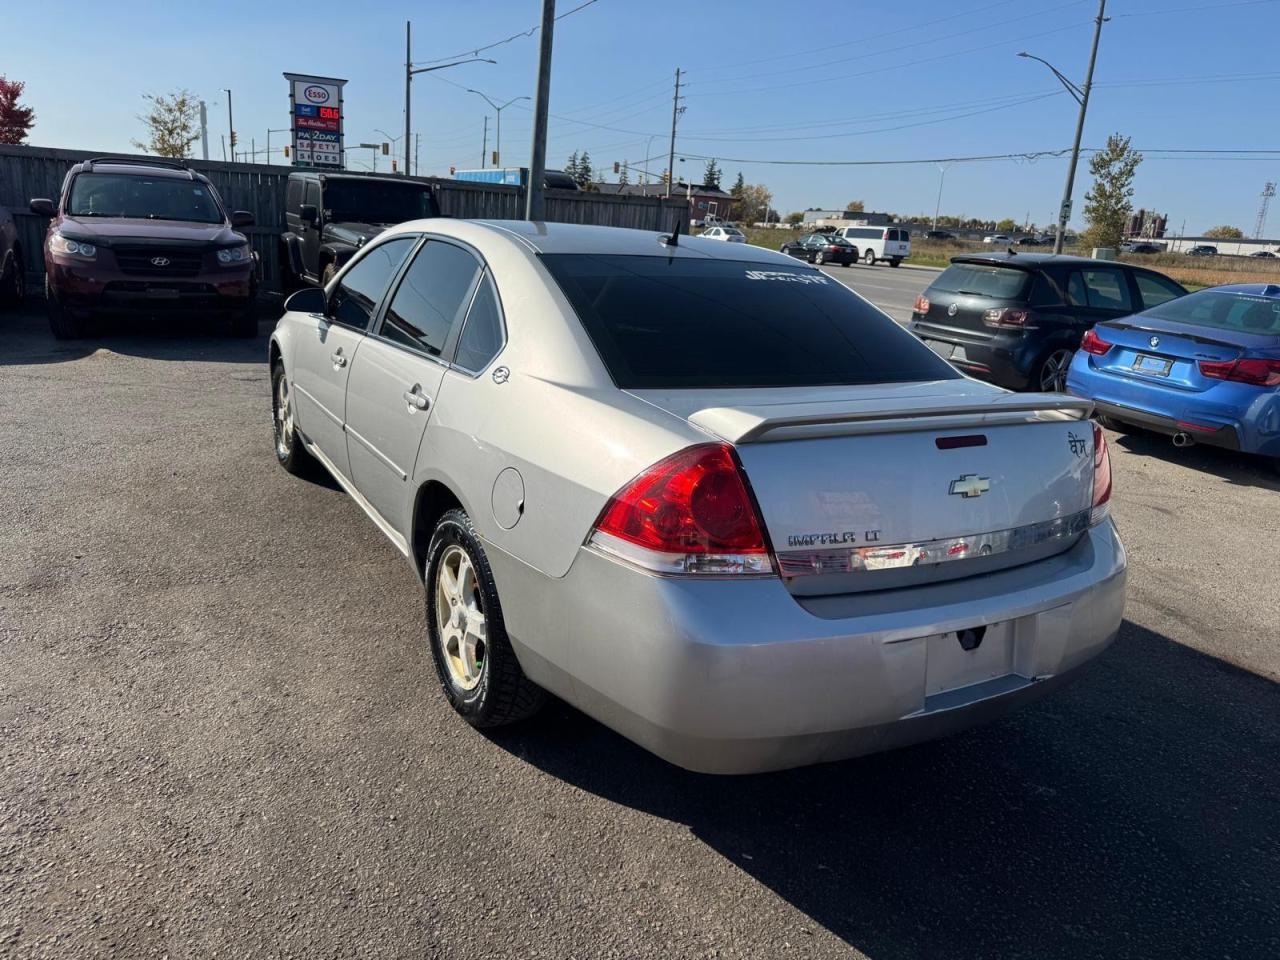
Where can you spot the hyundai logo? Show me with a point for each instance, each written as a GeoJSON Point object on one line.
{"type": "Point", "coordinates": [159, 261]}
{"type": "Point", "coordinates": [316, 94]}
{"type": "Point", "coordinates": [1154, 341]}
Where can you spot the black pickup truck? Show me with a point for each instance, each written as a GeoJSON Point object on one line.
{"type": "Point", "coordinates": [329, 216]}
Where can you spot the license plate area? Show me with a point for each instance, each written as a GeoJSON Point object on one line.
{"type": "Point", "coordinates": [162, 293]}
{"type": "Point", "coordinates": [949, 666]}
{"type": "Point", "coordinates": [1152, 366]}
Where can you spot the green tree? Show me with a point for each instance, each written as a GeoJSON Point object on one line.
{"type": "Point", "coordinates": [15, 119]}
{"type": "Point", "coordinates": [571, 166]}
{"type": "Point", "coordinates": [173, 124]}
{"type": "Point", "coordinates": [794, 218]}
{"type": "Point", "coordinates": [711, 175]}
{"type": "Point", "coordinates": [1225, 232]}
{"type": "Point", "coordinates": [855, 206]}
{"type": "Point", "coordinates": [738, 186]}
{"type": "Point", "coordinates": [754, 203]}
{"type": "Point", "coordinates": [1007, 225]}
{"type": "Point", "coordinates": [585, 173]}
{"type": "Point", "coordinates": [1109, 203]}
{"type": "Point", "coordinates": [623, 177]}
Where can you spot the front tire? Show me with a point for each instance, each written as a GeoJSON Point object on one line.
{"type": "Point", "coordinates": [478, 670]}
{"type": "Point", "coordinates": [63, 325]}
{"type": "Point", "coordinates": [291, 453]}
{"type": "Point", "coordinates": [13, 287]}
{"type": "Point", "coordinates": [819, 258]}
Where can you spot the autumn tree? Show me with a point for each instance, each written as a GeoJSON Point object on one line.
{"type": "Point", "coordinates": [173, 124]}
{"type": "Point", "coordinates": [754, 203]}
{"type": "Point", "coordinates": [15, 119]}
{"type": "Point", "coordinates": [1109, 202]}
{"type": "Point", "coordinates": [1225, 232]}
{"type": "Point", "coordinates": [855, 206]}
{"type": "Point", "coordinates": [1007, 225]}
{"type": "Point", "coordinates": [795, 218]}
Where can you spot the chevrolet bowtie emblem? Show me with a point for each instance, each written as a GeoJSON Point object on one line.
{"type": "Point", "coordinates": [970, 485]}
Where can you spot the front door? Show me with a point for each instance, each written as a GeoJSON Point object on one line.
{"type": "Point", "coordinates": [395, 382]}
{"type": "Point", "coordinates": [327, 346]}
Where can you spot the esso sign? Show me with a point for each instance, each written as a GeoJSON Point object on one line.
{"type": "Point", "coordinates": [316, 94]}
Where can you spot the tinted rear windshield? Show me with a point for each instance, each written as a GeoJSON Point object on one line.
{"type": "Point", "coordinates": [1223, 310]}
{"type": "Point", "coordinates": [981, 280]}
{"type": "Point", "coordinates": [686, 323]}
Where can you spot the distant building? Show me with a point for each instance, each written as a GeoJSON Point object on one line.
{"type": "Point", "coordinates": [1147, 225]}
{"type": "Point", "coordinates": [704, 201]}
{"type": "Point", "coordinates": [831, 218]}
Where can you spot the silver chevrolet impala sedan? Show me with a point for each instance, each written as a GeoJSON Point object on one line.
{"type": "Point", "coordinates": [701, 491]}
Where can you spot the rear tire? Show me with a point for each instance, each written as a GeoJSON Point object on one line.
{"type": "Point", "coordinates": [478, 670]}
{"type": "Point", "coordinates": [819, 258]}
{"type": "Point", "coordinates": [896, 262]}
{"type": "Point", "coordinates": [870, 258]}
{"type": "Point", "coordinates": [63, 325]}
{"type": "Point", "coordinates": [1051, 372]}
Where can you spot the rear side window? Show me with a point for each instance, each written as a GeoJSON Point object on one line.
{"type": "Point", "coordinates": [313, 194]}
{"type": "Point", "coordinates": [1156, 290]}
{"type": "Point", "coordinates": [359, 289]}
{"type": "Point", "coordinates": [432, 298]}
{"type": "Point", "coordinates": [293, 197]}
{"type": "Point", "coordinates": [983, 280]}
{"type": "Point", "coordinates": [1103, 288]}
{"type": "Point", "coordinates": [678, 322]}
{"type": "Point", "coordinates": [482, 336]}
{"type": "Point", "coordinates": [1223, 310]}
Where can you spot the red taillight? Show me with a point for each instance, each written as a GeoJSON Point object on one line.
{"type": "Point", "coordinates": [1006, 317]}
{"type": "Point", "coordinates": [688, 513]}
{"type": "Point", "coordinates": [833, 249]}
{"type": "Point", "coordinates": [922, 304]}
{"type": "Point", "coordinates": [1101, 477]}
{"type": "Point", "coordinates": [1259, 372]}
{"type": "Point", "coordinates": [1094, 344]}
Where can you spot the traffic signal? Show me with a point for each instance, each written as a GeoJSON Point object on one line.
{"type": "Point", "coordinates": [386, 148]}
{"type": "Point", "coordinates": [286, 153]}
{"type": "Point", "coordinates": [393, 164]}
{"type": "Point", "coordinates": [233, 139]}
{"type": "Point", "coordinates": [617, 167]}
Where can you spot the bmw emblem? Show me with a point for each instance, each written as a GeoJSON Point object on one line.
{"type": "Point", "coordinates": [1154, 341]}
{"type": "Point", "coordinates": [952, 310]}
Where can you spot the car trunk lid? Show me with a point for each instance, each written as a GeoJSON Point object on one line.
{"type": "Point", "coordinates": [877, 487]}
{"type": "Point", "coordinates": [1151, 350]}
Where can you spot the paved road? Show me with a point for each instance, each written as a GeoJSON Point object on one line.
{"type": "Point", "coordinates": [893, 291]}
{"type": "Point", "coordinates": [220, 736]}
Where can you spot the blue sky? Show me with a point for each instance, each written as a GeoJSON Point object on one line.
{"type": "Point", "coordinates": [839, 81]}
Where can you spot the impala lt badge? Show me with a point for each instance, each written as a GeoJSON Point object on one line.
{"type": "Point", "coordinates": [970, 485]}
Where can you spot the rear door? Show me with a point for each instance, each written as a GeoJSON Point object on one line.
{"type": "Point", "coordinates": [1099, 293]}
{"type": "Point", "coordinates": [327, 345]}
{"type": "Point", "coordinates": [395, 382]}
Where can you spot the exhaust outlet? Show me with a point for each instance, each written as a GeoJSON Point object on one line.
{"type": "Point", "coordinates": [1183, 440]}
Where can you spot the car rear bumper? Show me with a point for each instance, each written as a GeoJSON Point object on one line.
{"type": "Point", "coordinates": [728, 676]}
{"type": "Point", "coordinates": [1002, 359]}
{"type": "Point", "coordinates": [1225, 435]}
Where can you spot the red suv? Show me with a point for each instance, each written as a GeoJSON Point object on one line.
{"type": "Point", "coordinates": [145, 236]}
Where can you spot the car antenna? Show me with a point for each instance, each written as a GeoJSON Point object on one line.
{"type": "Point", "coordinates": [674, 239]}
{"type": "Point", "coordinates": [1013, 252]}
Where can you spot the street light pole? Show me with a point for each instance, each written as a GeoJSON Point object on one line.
{"type": "Point", "coordinates": [231, 127]}
{"type": "Point", "coordinates": [1082, 97]}
{"type": "Point", "coordinates": [497, 145]}
{"type": "Point", "coordinates": [409, 73]}
{"type": "Point", "coordinates": [942, 176]}
{"type": "Point", "coordinates": [534, 207]}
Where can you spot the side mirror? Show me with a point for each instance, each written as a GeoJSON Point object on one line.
{"type": "Point", "coordinates": [306, 300]}
{"type": "Point", "coordinates": [43, 208]}
{"type": "Point", "coordinates": [309, 213]}
{"type": "Point", "coordinates": [241, 218]}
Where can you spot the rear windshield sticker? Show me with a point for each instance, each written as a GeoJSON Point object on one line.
{"type": "Point", "coordinates": [786, 276]}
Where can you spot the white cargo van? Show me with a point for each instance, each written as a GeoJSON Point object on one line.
{"type": "Point", "coordinates": [879, 243]}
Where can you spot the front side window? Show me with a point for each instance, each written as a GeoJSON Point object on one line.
{"type": "Point", "coordinates": [432, 298]}
{"type": "Point", "coordinates": [143, 198]}
{"type": "Point", "coordinates": [672, 323]}
{"type": "Point", "coordinates": [360, 288]}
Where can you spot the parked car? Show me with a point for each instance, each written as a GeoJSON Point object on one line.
{"type": "Point", "coordinates": [1202, 369]}
{"type": "Point", "coordinates": [1017, 319]}
{"type": "Point", "coordinates": [145, 236]}
{"type": "Point", "coordinates": [726, 234]}
{"type": "Point", "coordinates": [997, 238]}
{"type": "Point", "coordinates": [13, 280]}
{"type": "Point", "coordinates": [1203, 250]}
{"type": "Point", "coordinates": [1141, 248]}
{"type": "Point", "coordinates": [329, 216]}
{"type": "Point", "coordinates": [1263, 253]}
{"type": "Point", "coordinates": [939, 235]}
{"type": "Point", "coordinates": [885, 244]}
{"type": "Point", "coordinates": [821, 248]}
{"type": "Point", "coordinates": [1028, 242]}
{"type": "Point", "coordinates": [600, 516]}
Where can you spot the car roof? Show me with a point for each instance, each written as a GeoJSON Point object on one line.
{"type": "Point", "coordinates": [545, 237]}
{"type": "Point", "coordinates": [1033, 259]}
{"type": "Point", "coordinates": [1270, 290]}
{"type": "Point", "coordinates": [138, 169]}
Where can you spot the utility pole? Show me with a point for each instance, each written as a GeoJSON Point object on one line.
{"type": "Point", "coordinates": [942, 176]}
{"type": "Point", "coordinates": [1064, 212]}
{"type": "Point", "coordinates": [676, 110]}
{"type": "Point", "coordinates": [484, 143]}
{"type": "Point", "coordinates": [204, 131]}
{"type": "Point", "coordinates": [534, 207]}
{"type": "Point", "coordinates": [231, 127]}
{"type": "Point", "coordinates": [408, 79]}
{"type": "Point", "coordinates": [417, 143]}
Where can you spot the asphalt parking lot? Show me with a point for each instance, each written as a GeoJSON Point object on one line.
{"type": "Point", "coordinates": [220, 734]}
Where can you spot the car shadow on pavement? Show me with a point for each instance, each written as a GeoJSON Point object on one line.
{"type": "Point", "coordinates": [1134, 814]}
{"type": "Point", "coordinates": [1240, 469]}
{"type": "Point", "coordinates": [25, 339]}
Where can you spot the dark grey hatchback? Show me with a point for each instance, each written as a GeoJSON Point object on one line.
{"type": "Point", "coordinates": [1016, 319]}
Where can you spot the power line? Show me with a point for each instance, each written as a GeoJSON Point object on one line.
{"type": "Point", "coordinates": [1209, 6]}
{"type": "Point", "coordinates": [497, 43]}
{"type": "Point", "coordinates": [1030, 156]}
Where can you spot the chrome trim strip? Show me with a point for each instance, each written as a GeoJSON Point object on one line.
{"type": "Point", "coordinates": [323, 409]}
{"type": "Point", "coordinates": [869, 559]}
{"type": "Point", "coordinates": [377, 453]}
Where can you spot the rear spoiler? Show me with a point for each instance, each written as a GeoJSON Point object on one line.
{"type": "Point", "coordinates": [799, 421]}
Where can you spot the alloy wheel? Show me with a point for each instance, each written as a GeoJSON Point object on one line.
{"type": "Point", "coordinates": [1053, 372]}
{"type": "Point", "coordinates": [283, 418]}
{"type": "Point", "coordinates": [460, 618]}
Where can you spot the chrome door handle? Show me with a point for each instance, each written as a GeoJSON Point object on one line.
{"type": "Point", "coordinates": [338, 359]}
{"type": "Point", "coordinates": [415, 399]}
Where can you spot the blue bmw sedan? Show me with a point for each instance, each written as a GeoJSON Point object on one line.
{"type": "Point", "coordinates": [1204, 368]}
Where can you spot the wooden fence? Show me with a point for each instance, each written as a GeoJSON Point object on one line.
{"type": "Point", "coordinates": [29, 172]}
